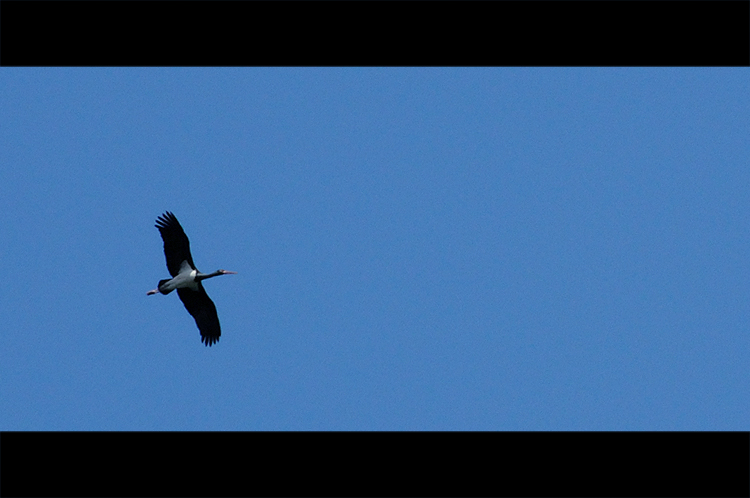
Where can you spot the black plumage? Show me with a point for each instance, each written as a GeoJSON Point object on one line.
{"type": "Point", "coordinates": [176, 243]}
{"type": "Point", "coordinates": [187, 279]}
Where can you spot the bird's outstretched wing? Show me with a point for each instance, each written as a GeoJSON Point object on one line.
{"type": "Point", "coordinates": [176, 243]}
{"type": "Point", "coordinates": [203, 310]}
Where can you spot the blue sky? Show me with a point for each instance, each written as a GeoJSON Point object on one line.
{"type": "Point", "coordinates": [438, 249]}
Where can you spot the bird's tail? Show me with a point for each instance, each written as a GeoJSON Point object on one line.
{"type": "Point", "coordinates": [162, 282]}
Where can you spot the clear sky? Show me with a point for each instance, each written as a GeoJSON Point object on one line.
{"type": "Point", "coordinates": [442, 249]}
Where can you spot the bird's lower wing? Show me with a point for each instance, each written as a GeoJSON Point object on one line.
{"type": "Point", "coordinates": [203, 310]}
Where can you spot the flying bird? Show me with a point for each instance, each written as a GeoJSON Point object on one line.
{"type": "Point", "coordinates": [187, 279]}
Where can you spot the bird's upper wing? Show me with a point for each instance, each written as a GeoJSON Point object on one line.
{"type": "Point", "coordinates": [176, 243]}
{"type": "Point", "coordinates": [203, 310]}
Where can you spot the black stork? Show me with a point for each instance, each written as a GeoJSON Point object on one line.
{"type": "Point", "coordinates": [187, 279]}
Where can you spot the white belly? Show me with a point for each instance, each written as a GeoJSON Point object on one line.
{"type": "Point", "coordinates": [183, 280]}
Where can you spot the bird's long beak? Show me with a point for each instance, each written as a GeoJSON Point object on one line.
{"type": "Point", "coordinates": [226, 272]}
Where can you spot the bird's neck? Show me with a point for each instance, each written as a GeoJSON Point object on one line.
{"type": "Point", "coordinates": [203, 276]}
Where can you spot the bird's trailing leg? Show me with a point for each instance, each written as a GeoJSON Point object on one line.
{"type": "Point", "coordinates": [152, 292]}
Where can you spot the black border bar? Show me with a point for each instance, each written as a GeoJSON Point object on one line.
{"type": "Point", "coordinates": [375, 33]}
{"type": "Point", "coordinates": [369, 464]}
